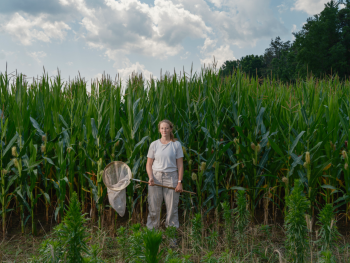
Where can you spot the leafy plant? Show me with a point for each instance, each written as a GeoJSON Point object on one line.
{"type": "Point", "coordinates": [50, 251]}
{"type": "Point", "coordinates": [241, 215]}
{"type": "Point", "coordinates": [172, 257]}
{"type": "Point", "coordinates": [227, 257]}
{"type": "Point", "coordinates": [212, 240]}
{"type": "Point", "coordinates": [135, 243]}
{"type": "Point", "coordinates": [209, 258]}
{"type": "Point", "coordinates": [196, 232]}
{"type": "Point", "coordinates": [227, 215]}
{"type": "Point", "coordinates": [266, 230]}
{"type": "Point", "coordinates": [94, 255]}
{"type": "Point", "coordinates": [328, 232]}
{"type": "Point", "coordinates": [297, 239]}
{"type": "Point", "coordinates": [70, 239]}
{"type": "Point", "coordinates": [72, 232]}
{"type": "Point", "coordinates": [122, 239]}
{"type": "Point", "coordinates": [327, 257]}
{"type": "Point", "coordinates": [170, 233]}
{"type": "Point", "coordinates": [186, 259]}
{"type": "Point", "coordinates": [152, 240]}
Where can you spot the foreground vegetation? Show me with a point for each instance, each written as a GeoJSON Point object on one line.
{"type": "Point", "coordinates": [238, 134]}
{"type": "Point", "coordinates": [75, 240]}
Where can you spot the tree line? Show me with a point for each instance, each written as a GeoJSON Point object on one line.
{"type": "Point", "coordinates": [320, 48]}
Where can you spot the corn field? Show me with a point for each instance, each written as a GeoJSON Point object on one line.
{"type": "Point", "coordinates": [237, 133]}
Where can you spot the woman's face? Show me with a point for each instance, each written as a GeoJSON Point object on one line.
{"type": "Point", "coordinates": [164, 129]}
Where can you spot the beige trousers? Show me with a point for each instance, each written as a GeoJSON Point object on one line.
{"type": "Point", "coordinates": [155, 200]}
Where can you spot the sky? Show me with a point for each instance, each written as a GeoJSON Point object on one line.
{"type": "Point", "coordinates": [92, 37]}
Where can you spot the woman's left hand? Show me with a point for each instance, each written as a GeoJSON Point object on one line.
{"type": "Point", "coordinates": [178, 188]}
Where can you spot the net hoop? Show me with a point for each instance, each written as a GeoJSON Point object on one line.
{"type": "Point", "coordinates": [116, 164]}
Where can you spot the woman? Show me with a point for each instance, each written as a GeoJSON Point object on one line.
{"type": "Point", "coordinates": [164, 166]}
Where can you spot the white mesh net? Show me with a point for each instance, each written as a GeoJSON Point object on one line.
{"type": "Point", "coordinates": [116, 177]}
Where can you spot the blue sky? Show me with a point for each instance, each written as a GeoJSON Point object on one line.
{"type": "Point", "coordinates": [125, 36]}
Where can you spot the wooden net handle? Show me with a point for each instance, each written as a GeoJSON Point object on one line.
{"type": "Point", "coordinates": [137, 180]}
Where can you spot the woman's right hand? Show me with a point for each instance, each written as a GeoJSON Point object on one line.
{"type": "Point", "coordinates": [151, 181]}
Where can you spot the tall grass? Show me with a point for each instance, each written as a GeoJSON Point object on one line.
{"type": "Point", "coordinates": [238, 133]}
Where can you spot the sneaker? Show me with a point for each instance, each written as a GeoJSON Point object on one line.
{"type": "Point", "coordinates": [173, 243]}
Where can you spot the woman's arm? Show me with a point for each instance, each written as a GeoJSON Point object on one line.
{"type": "Point", "coordinates": [180, 168]}
{"type": "Point", "coordinates": [149, 171]}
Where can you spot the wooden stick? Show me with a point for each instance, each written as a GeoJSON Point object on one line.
{"type": "Point", "coordinates": [137, 180]}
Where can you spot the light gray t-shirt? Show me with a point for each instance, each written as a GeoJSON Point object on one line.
{"type": "Point", "coordinates": [165, 155]}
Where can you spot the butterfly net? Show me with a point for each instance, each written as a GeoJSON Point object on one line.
{"type": "Point", "coordinates": [116, 177]}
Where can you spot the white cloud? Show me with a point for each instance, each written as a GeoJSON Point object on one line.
{"type": "Point", "coordinates": [124, 66]}
{"type": "Point", "coordinates": [221, 54]}
{"type": "Point", "coordinates": [208, 43]}
{"type": "Point", "coordinates": [282, 8]}
{"type": "Point", "coordinates": [129, 26]}
{"type": "Point", "coordinates": [63, 2]}
{"type": "Point", "coordinates": [27, 30]}
{"type": "Point", "coordinates": [37, 56]}
{"type": "Point", "coordinates": [217, 3]}
{"type": "Point", "coordinates": [311, 7]}
{"type": "Point", "coordinates": [119, 58]}
{"type": "Point", "coordinates": [119, 28]}
{"type": "Point", "coordinates": [185, 56]}
{"type": "Point", "coordinates": [89, 26]}
{"type": "Point", "coordinates": [97, 76]}
{"type": "Point", "coordinates": [69, 63]}
{"type": "Point", "coordinates": [138, 68]}
{"type": "Point", "coordinates": [4, 54]}
{"type": "Point", "coordinates": [239, 23]}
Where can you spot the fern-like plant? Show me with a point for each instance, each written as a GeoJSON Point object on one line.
{"type": "Point", "coordinates": [328, 232]}
{"type": "Point", "coordinates": [170, 233]}
{"type": "Point", "coordinates": [135, 244]}
{"type": "Point", "coordinates": [69, 242]}
{"type": "Point", "coordinates": [94, 252]}
{"type": "Point", "coordinates": [186, 259]}
{"type": "Point", "coordinates": [196, 232]}
{"type": "Point", "coordinates": [122, 239]}
{"type": "Point", "coordinates": [327, 257]}
{"type": "Point", "coordinates": [241, 215]}
{"type": "Point", "coordinates": [152, 240]}
{"type": "Point", "coordinates": [50, 251]}
{"type": "Point", "coordinates": [227, 257]}
{"type": "Point", "coordinates": [297, 239]}
{"type": "Point", "coordinates": [172, 256]}
{"type": "Point", "coordinates": [209, 258]}
{"type": "Point", "coordinates": [73, 233]}
{"type": "Point", "coordinates": [212, 240]}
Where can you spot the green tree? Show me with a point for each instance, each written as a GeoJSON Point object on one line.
{"type": "Point", "coordinates": [252, 63]}
{"type": "Point", "coordinates": [275, 51]}
{"type": "Point", "coordinates": [280, 60]}
{"type": "Point", "coordinates": [228, 67]}
{"type": "Point", "coordinates": [323, 43]}
{"type": "Point", "coordinates": [248, 64]}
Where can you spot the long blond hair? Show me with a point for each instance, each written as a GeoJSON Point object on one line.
{"type": "Point", "coordinates": [171, 125]}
